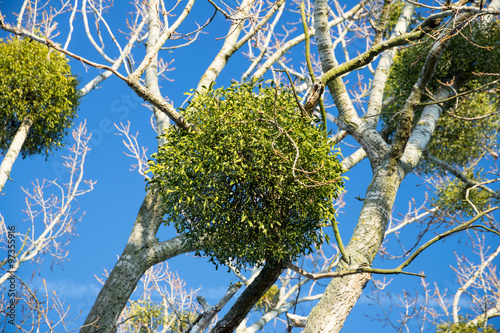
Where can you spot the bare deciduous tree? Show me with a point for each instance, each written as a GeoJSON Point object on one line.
{"type": "Point", "coordinates": [52, 214]}
{"type": "Point", "coordinates": [394, 124]}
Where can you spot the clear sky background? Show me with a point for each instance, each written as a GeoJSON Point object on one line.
{"type": "Point", "coordinates": [110, 209]}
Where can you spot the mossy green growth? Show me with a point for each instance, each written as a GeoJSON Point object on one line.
{"type": "Point", "coordinates": [269, 300]}
{"type": "Point", "coordinates": [469, 123]}
{"type": "Point", "coordinates": [464, 326]}
{"type": "Point", "coordinates": [254, 182]}
{"type": "Point", "coordinates": [467, 129]}
{"type": "Point", "coordinates": [395, 10]}
{"type": "Point", "coordinates": [145, 316]}
{"type": "Point", "coordinates": [451, 196]}
{"type": "Point", "coordinates": [36, 82]}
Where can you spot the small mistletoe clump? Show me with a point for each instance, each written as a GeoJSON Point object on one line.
{"type": "Point", "coordinates": [253, 181]}
{"type": "Point", "coordinates": [35, 82]}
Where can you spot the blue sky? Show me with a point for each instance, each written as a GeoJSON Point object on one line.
{"type": "Point", "coordinates": [110, 209]}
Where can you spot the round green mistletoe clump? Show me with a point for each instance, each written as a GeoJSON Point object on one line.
{"type": "Point", "coordinates": [35, 82]}
{"type": "Point", "coordinates": [253, 181]}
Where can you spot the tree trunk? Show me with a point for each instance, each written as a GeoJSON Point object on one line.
{"type": "Point", "coordinates": [115, 293]}
{"type": "Point", "coordinates": [342, 293]}
{"type": "Point", "coordinates": [142, 251]}
{"type": "Point", "coordinates": [14, 149]}
{"type": "Point", "coordinates": [390, 165]}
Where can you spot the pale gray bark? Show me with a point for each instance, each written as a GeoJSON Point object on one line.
{"type": "Point", "coordinates": [273, 314]}
{"type": "Point", "coordinates": [422, 132]}
{"type": "Point", "coordinates": [353, 159]}
{"type": "Point", "coordinates": [389, 165]}
{"type": "Point", "coordinates": [210, 312]}
{"type": "Point", "coordinates": [348, 118]}
{"type": "Point", "coordinates": [227, 49]}
{"type": "Point", "coordinates": [161, 119]}
{"type": "Point", "coordinates": [342, 293]}
{"type": "Point", "coordinates": [153, 47]}
{"type": "Point", "coordinates": [494, 5]}
{"type": "Point", "coordinates": [143, 250]}
{"type": "Point", "coordinates": [384, 66]}
{"type": "Point", "coordinates": [14, 149]}
{"type": "Point", "coordinates": [167, 34]}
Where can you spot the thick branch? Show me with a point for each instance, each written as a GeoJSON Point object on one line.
{"type": "Point", "coordinates": [353, 159]}
{"type": "Point", "coordinates": [403, 131]}
{"type": "Point", "coordinates": [152, 68]}
{"type": "Point", "coordinates": [266, 278]}
{"type": "Point", "coordinates": [228, 49]}
{"type": "Point", "coordinates": [272, 314]}
{"type": "Point", "coordinates": [14, 149]}
{"type": "Point", "coordinates": [210, 312]}
{"type": "Point", "coordinates": [161, 251]}
{"type": "Point", "coordinates": [375, 102]}
{"type": "Point", "coordinates": [293, 42]}
{"type": "Point", "coordinates": [133, 83]}
{"type": "Point", "coordinates": [348, 118]}
{"type": "Point", "coordinates": [141, 252]}
{"type": "Point", "coordinates": [422, 132]}
{"type": "Point", "coordinates": [367, 57]}
{"type": "Point", "coordinates": [316, 95]}
{"type": "Point", "coordinates": [159, 102]}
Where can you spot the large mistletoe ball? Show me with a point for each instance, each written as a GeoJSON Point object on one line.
{"type": "Point", "coordinates": [35, 82]}
{"type": "Point", "coordinates": [253, 181]}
